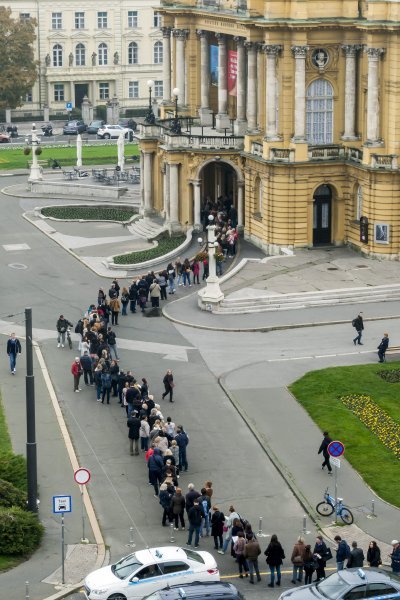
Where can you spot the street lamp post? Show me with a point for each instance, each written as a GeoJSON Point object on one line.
{"type": "Point", "coordinates": [150, 117]}
{"type": "Point", "coordinates": [211, 295]}
{"type": "Point", "coordinates": [176, 126]}
{"type": "Point", "coordinates": [35, 173]}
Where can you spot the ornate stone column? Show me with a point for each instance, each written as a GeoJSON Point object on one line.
{"type": "Point", "coordinates": [251, 87]}
{"type": "Point", "coordinates": [174, 224]}
{"type": "Point", "coordinates": [271, 54]}
{"type": "Point", "coordinates": [205, 113]}
{"type": "Point", "coordinates": [240, 207]}
{"type": "Point", "coordinates": [373, 108]}
{"type": "Point", "coordinates": [300, 53]}
{"type": "Point", "coordinates": [148, 183]}
{"type": "Point", "coordinates": [165, 171]}
{"type": "Point", "coordinates": [166, 31]}
{"type": "Point", "coordinates": [141, 183]}
{"type": "Point", "coordinates": [197, 205]}
{"type": "Point", "coordinates": [241, 122]}
{"type": "Point", "coordinates": [350, 92]}
{"type": "Point", "coordinates": [222, 119]}
{"type": "Point", "coordinates": [180, 77]}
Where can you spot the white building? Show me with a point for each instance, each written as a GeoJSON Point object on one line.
{"type": "Point", "coordinates": [98, 49]}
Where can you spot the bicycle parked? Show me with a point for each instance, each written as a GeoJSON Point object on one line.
{"type": "Point", "coordinates": [326, 508]}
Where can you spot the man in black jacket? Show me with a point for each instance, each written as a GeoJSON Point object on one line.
{"type": "Point", "coordinates": [383, 346]}
{"type": "Point", "coordinates": [13, 349]}
{"type": "Point", "coordinates": [358, 324]}
{"type": "Point", "coordinates": [112, 342]}
{"type": "Point", "coordinates": [357, 558]}
{"type": "Point", "coordinates": [134, 427]}
{"type": "Point", "coordinates": [133, 294]}
{"type": "Point", "coordinates": [87, 368]}
{"type": "Point", "coordinates": [195, 516]}
{"type": "Point", "coordinates": [62, 326]}
{"type": "Point", "coordinates": [324, 449]}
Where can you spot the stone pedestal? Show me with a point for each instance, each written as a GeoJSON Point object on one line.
{"type": "Point", "coordinates": [46, 114]}
{"type": "Point", "coordinates": [8, 115]}
{"type": "Point", "coordinates": [113, 111]}
{"type": "Point", "coordinates": [206, 117]}
{"type": "Point", "coordinates": [87, 110]}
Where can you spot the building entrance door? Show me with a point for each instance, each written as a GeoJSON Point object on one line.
{"type": "Point", "coordinates": [322, 219]}
{"type": "Point", "coordinates": [81, 90]}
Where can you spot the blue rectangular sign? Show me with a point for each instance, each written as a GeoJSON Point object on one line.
{"type": "Point", "coordinates": [62, 504]}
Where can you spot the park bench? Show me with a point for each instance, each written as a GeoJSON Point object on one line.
{"type": "Point", "coordinates": [70, 175]}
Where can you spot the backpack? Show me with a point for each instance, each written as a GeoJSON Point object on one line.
{"type": "Point", "coordinates": [106, 380]}
{"type": "Point", "coordinates": [204, 504]}
{"type": "Point", "coordinates": [348, 553]}
{"type": "Point", "coordinates": [354, 322]}
{"type": "Point", "coordinates": [79, 327]}
{"type": "Point", "coordinates": [244, 522]}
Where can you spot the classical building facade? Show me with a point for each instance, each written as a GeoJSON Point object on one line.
{"type": "Point", "coordinates": [295, 114]}
{"type": "Point", "coordinates": [98, 49]}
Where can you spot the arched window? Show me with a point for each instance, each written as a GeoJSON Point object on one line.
{"type": "Point", "coordinates": [102, 54]}
{"type": "Point", "coordinates": [359, 203]}
{"type": "Point", "coordinates": [133, 54]}
{"type": "Point", "coordinates": [57, 55]}
{"type": "Point", "coordinates": [80, 55]}
{"type": "Point", "coordinates": [158, 53]}
{"type": "Point", "coordinates": [319, 112]}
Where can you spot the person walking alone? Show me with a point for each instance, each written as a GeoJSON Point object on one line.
{"type": "Point", "coordinates": [358, 324]}
{"type": "Point", "coordinates": [62, 326]}
{"type": "Point", "coordinates": [324, 449]}
{"type": "Point", "coordinates": [13, 349]}
{"type": "Point", "coordinates": [383, 346]}
{"type": "Point", "coordinates": [169, 385]}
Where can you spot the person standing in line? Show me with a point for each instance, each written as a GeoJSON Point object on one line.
{"type": "Point", "coordinates": [171, 279]}
{"type": "Point", "coordinates": [275, 555]}
{"type": "Point", "coordinates": [358, 324]}
{"type": "Point", "coordinates": [383, 346]}
{"type": "Point", "coordinates": [62, 326]}
{"type": "Point", "coordinates": [13, 349]}
{"type": "Point", "coordinates": [298, 560]}
{"type": "Point", "coordinates": [87, 368]}
{"type": "Point", "coordinates": [133, 295]}
{"type": "Point", "coordinates": [374, 554]}
{"type": "Point", "coordinates": [395, 556]}
{"type": "Point", "coordinates": [112, 342]}
{"type": "Point", "coordinates": [155, 465]}
{"type": "Point", "coordinates": [196, 271]}
{"type": "Point", "coordinates": [133, 424]}
{"type": "Point", "coordinates": [182, 440]}
{"type": "Point", "coordinates": [324, 449]}
{"type": "Point", "coordinates": [178, 509]}
{"type": "Point", "coordinates": [238, 549]}
{"type": "Point", "coordinates": [115, 306]}
{"type": "Point", "coordinates": [309, 565]}
{"type": "Point", "coordinates": [251, 553]}
{"type": "Point", "coordinates": [228, 528]}
{"type": "Point", "coordinates": [105, 385]}
{"type": "Point", "coordinates": [124, 301]}
{"type": "Point", "coordinates": [144, 434]}
{"type": "Point", "coordinates": [178, 270]}
{"type": "Point", "coordinates": [165, 501]}
{"type": "Point", "coordinates": [217, 527]}
{"type": "Point", "coordinates": [342, 552]}
{"type": "Point", "coordinates": [76, 370]}
{"type": "Point", "coordinates": [162, 282]}
{"type": "Point", "coordinates": [169, 385]}
{"type": "Point", "coordinates": [155, 294]}
{"type": "Point", "coordinates": [356, 559]}
{"type": "Point", "coordinates": [321, 553]}
{"type": "Point", "coordinates": [195, 518]}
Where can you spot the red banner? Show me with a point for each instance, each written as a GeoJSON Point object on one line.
{"type": "Point", "coordinates": [232, 72]}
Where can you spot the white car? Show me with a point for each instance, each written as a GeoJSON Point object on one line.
{"type": "Point", "coordinates": [147, 571]}
{"type": "Point", "coordinates": [114, 131]}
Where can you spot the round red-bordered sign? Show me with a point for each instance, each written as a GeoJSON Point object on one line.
{"type": "Point", "coordinates": [336, 448]}
{"type": "Point", "coordinates": [82, 476]}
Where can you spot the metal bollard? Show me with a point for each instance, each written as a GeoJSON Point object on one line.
{"type": "Point", "coordinates": [131, 541]}
{"type": "Point", "coordinates": [305, 531]}
{"type": "Point", "coordinates": [26, 590]}
{"type": "Point", "coordinates": [260, 531]}
{"type": "Point", "coordinates": [373, 507]}
{"type": "Point", "coordinates": [171, 533]}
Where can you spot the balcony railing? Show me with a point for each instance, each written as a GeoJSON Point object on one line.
{"type": "Point", "coordinates": [354, 154]}
{"type": "Point", "coordinates": [193, 137]}
{"type": "Point", "coordinates": [227, 6]}
{"type": "Point", "coordinates": [282, 154]}
{"type": "Point", "coordinates": [325, 152]}
{"type": "Point", "coordinates": [384, 161]}
{"type": "Point", "coordinates": [256, 148]}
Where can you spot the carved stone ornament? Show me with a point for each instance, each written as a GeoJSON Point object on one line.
{"type": "Point", "coordinates": [320, 58]}
{"type": "Point", "coordinates": [180, 33]}
{"type": "Point", "coordinates": [166, 31]}
{"type": "Point", "coordinates": [375, 53]}
{"type": "Point", "coordinates": [272, 50]}
{"type": "Point", "coordinates": [316, 58]}
{"type": "Point", "coordinates": [300, 51]}
{"type": "Point", "coordinates": [351, 49]}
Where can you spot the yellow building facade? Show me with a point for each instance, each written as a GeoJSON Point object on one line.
{"type": "Point", "coordinates": [291, 108]}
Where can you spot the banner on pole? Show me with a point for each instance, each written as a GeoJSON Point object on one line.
{"type": "Point", "coordinates": [214, 65]}
{"type": "Point", "coordinates": [232, 72]}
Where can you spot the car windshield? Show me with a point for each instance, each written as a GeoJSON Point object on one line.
{"type": "Point", "coordinates": [194, 556]}
{"type": "Point", "coordinates": [126, 566]}
{"type": "Point", "coordinates": [333, 587]}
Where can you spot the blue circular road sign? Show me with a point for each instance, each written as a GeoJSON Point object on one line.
{"type": "Point", "coordinates": [336, 448]}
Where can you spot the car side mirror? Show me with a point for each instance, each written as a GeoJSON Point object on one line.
{"type": "Point", "coordinates": [135, 579]}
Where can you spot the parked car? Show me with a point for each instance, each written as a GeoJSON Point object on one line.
{"type": "Point", "coordinates": [74, 127]}
{"type": "Point", "coordinates": [113, 131]}
{"type": "Point", "coordinates": [94, 126]}
{"type": "Point", "coordinates": [146, 571]}
{"type": "Point", "coordinates": [210, 590]}
{"type": "Point", "coordinates": [129, 123]}
{"type": "Point", "coordinates": [349, 584]}
{"type": "Point", "coordinates": [4, 138]}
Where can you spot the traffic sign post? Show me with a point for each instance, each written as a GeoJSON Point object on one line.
{"type": "Point", "coordinates": [336, 449]}
{"type": "Point", "coordinates": [61, 505]}
{"type": "Point", "coordinates": [82, 477]}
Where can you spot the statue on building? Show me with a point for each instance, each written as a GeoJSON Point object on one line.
{"type": "Point", "coordinates": [116, 58]}
{"type": "Point", "coordinates": [70, 59]}
{"type": "Point", "coordinates": [320, 58]}
{"type": "Point", "coordinates": [94, 56]}
{"type": "Point", "coordinates": [47, 60]}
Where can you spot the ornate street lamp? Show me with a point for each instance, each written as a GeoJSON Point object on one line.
{"type": "Point", "coordinates": [36, 171]}
{"type": "Point", "coordinates": [211, 295]}
{"type": "Point", "coordinates": [150, 118]}
{"type": "Point", "coordinates": [176, 126]}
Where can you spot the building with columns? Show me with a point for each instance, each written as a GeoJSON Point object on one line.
{"type": "Point", "coordinates": [292, 113]}
{"type": "Point", "coordinates": [100, 50]}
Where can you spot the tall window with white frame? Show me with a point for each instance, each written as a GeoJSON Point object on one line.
{"type": "Point", "coordinates": [102, 54]}
{"type": "Point", "coordinates": [56, 20]}
{"type": "Point", "coordinates": [29, 97]}
{"type": "Point", "coordinates": [158, 88]}
{"type": "Point", "coordinates": [102, 20]}
{"type": "Point", "coordinates": [133, 53]}
{"type": "Point", "coordinates": [157, 20]}
{"type": "Point", "coordinates": [59, 95]}
{"type": "Point", "coordinates": [359, 203]}
{"type": "Point", "coordinates": [79, 20]}
{"type": "Point", "coordinates": [80, 55]}
{"type": "Point", "coordinates": [319, 112]}
{"type": "Point", "coordinates": [132, 19]}
{"type": "Point", "coordinates": [104, 91]}
{"type": "Point", "coordinates": [158, 53]}
{"type": "Point", "coordinates": [133, 89]}
{"type": "Point", "coordinates": [57, 55]}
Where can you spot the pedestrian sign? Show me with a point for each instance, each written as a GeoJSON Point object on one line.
{"type": "Point", "coordinates": [336, 448]}
{"type": "Point", "coordinates": [62, 504]}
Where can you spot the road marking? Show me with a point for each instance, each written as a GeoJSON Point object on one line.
{"type": "Point", "coordinates": [288, 572]}
{"type": "Point", "coordinates": [14, 247]}
{"type": "Point", "coordinates": [290, 358]}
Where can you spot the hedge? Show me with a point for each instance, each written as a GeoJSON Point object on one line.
{"type": "Point", "coordinates": [11, 496]}
{"type": "Point", "coordinates": [13, 469]}
{"type": "Point", "coordinates": [165, 245]}
{"type": "Point", "coordinates": [98, 213]}
{"type": "Point", "coordinates": [20, 531]}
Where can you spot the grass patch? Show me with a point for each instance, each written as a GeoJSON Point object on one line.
{"type": "Point", "coordinates": [99, 213]}
{"type": "Point", "coordinates": [165, 244]}
{"type": "Point", "coordinates": [319, 393]}
{"type": "Point", "coordinates": [5, 441]}
{"type": "Point", "coordinates": [7, 561]}
{"type": "Point", "coordinates": [14, 158]}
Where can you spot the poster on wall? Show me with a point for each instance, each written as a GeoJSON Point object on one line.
{"type": "Point", "coordinates": [232, 72]}
{"type": "Point", "coordinates": [381, 233]}
{"type": "Point", "coordinates": [214, 64]}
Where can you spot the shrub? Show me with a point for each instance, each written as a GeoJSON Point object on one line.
{"type": "Point", "coordinates": [11, 496]}
{"type": "Point", "coordinates": [38, 151]}
{"type": "Point", "coordinates": [165, 245]}
{"type": "Point", "coordinates": [27, 151]}
{"type": "Point", "coordinates": [20, 531]}
{"type": "Point", "coordinates": [13, 469]}
{"type": "Point", "coordinates": [390, 376]}
{"type": "Point", "coordinates": [98, 213]}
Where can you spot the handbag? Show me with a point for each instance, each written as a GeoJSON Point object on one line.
{"type": "Point", "coordinates": [328, 554]}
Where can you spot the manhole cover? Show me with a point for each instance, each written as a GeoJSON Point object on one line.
{"type": "Point", "coordinates": [17, 266]}
{"type": "Point", "coordinates": [333, 269]}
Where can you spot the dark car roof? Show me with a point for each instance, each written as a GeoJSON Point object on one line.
{"type": "Point", "coordinates": [210, 590]}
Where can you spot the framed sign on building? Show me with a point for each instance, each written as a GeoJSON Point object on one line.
{"type": "Point", "coordinates": [381, 233]}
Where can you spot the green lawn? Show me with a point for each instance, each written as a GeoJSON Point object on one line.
{"type": "Point", "coordinates": [319, 391]}
{"type": "Point", "coordinates": [14, 158]}
{"type": "Point", "coordinates": [6, 561]}
{"type": "Point", "coordinates": [98, 213]}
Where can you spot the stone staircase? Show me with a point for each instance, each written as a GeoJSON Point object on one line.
{"type": "Point", "coordinates": [146, 228]}
{"type": "Point", "coordinates": [237, 303]}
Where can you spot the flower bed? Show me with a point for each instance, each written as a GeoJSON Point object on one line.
{"type": "Point", "coordinates": [375, 419]}
{"type": "Point", "coordinates": [390, 376]}
{"type": "Point", "coordinates": [88, 213]}
{"type": "Point", "coordinates": [165, 244]}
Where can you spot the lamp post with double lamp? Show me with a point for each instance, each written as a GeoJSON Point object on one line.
{"type": "Point", "coordinates": [211, 294]}
{"type": "Point", "coordinates": [150, 117]}
{"type": "Point", "coordinates": [176, 126]}
{"type": "Point", "coordinates": [36, 172]}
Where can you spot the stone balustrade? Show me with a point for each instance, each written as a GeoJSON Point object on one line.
{"type": "Point", "coordinates": [384, 161]}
